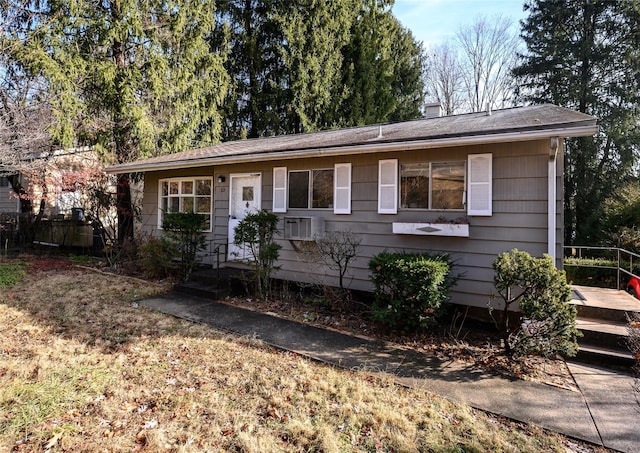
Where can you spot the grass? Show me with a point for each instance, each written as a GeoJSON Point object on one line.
{"type": "Point", "coordinates": [11, 273]}
{"type": "Point", "coordinates": [84, 368]}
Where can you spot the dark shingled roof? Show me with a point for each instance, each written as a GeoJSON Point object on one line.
{"type": "Point", "coordinates": [519, 123]}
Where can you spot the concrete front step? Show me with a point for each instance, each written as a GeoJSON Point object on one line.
{"type": "Point", "coordinates": [204, 290]}
{"type": "Point", "coordinates": [604, 303]}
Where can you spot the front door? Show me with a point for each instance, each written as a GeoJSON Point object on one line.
{"type": "Point", "coordinates": [244, 197]}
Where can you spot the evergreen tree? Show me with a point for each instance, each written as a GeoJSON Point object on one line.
{"type": "Point", "coordinates": [255, 101]}
{"type": "Point", "coordinates": [383, 68]}
{"type": "Point", "coordinates": [132, 78]}
{"type": "Point", "coordinates": [316, 64]}
{"type": "Point", "coordinates": [584, 55]}
{"type": "Point", "coordinates": [316, 32]}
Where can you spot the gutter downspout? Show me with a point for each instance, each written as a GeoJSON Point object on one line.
{"type": "Point", "coordinates": [551, 198]}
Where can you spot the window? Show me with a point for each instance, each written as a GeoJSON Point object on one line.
{"type": "Point", "coordinates": [186, 195]}
{"type": "Point", "coordinates": [4, 182]}
{"type": "Point", "coordinates": [435, 185]}
{"type": "Point", "coordinates": [328, 188]}
{"type": "Point", "coordinates": [311, 188]}
{"type": "Point", "coordinates": [453, 185]}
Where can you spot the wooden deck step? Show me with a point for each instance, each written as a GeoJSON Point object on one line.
{"type": "Point", "coordinates": [604, 303]}
{"type": "Point", "coordinates": [602, 318]}
{"type": "Point", "coordinates": [608, 357]}
{"type": "Point", "coordinates": [606, 333]}
{"type": "Point", "coordinates": [602, 326]}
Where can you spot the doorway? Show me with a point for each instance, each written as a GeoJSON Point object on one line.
{"type": "Point", "coordinates": [245, 197]}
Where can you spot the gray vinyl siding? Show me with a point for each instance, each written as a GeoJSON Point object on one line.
{"type": "Point", "coordinates": [519, 219]}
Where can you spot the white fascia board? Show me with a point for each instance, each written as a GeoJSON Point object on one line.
{"type": "Point", "coordinates": [367, 148]}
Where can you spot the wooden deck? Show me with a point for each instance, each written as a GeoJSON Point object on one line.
{"type": "Point", "coordinates": [590, 296]}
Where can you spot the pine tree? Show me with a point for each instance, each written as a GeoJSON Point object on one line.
{"type": "Point", "coordinates": [132, 78]}
{"type": "Point", "coordinates": [383, 68]}
{"type": "Point", "coordinates": [584, 55]}
{"type": "Point", "coordinates": [316, 32]}
{"type": "Point", "coordinates": [316, 64]}
{"type": "Point", "coordinates": [255, 102]}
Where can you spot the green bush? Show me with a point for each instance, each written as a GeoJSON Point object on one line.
{"type": "Point", "coordinates": [411, 290]}
{"type": "Point", "coordinates": [184, 231]}
{"type": "Point", "coordinates": [155, 258]}
{"type": "Point", "coordinates": [547, 323]}
{"type": "Point", "coordinates": [256, 232]}
{"type": "Point", "coordinates": [10, 274]}
{"type": "Point", "coordinates": [601, 272]}
{"type": "Point", "coordinates": [590, 276]}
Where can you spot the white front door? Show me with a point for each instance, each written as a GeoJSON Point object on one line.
{"type": "Point", "coordinates": [244, 197]}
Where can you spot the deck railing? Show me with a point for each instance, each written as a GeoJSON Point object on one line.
{"type": "Point", "coordinates": [625, 263]}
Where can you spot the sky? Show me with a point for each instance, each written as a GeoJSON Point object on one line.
{"type": "Point", "coordinates": [435, 21]}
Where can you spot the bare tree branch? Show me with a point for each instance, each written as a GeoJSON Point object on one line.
{"type": "Point", "coordinates": [489, 52]}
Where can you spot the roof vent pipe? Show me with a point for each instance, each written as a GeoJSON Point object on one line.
{"type": "Point", "coordinates": [380, 132]}
{"type": "Point", "coordinates": [488, 108]}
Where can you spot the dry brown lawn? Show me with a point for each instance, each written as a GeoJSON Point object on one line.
{"type": "Point", "coordinates": [84, 368]}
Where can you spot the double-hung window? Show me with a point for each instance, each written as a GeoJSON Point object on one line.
{"type": "Point", "coordinates": [186, 195]}
{"type": "Point", "coordinates": [325, 188]}
{"type": "Point", "coordinates": [433, 185]}
{"type": "Point", "coordinates": [311, 189]}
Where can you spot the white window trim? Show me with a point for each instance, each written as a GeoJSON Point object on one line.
{"type": "Point", "coordinates": [182, 179]}
{"type": "Point", "coordinates": [345, 190]}
{"type": "Point", "coordinates": [388, 187]}
{"type": "Point", "coordinates": [480, 189]}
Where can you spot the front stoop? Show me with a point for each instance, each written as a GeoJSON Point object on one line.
{"type": "Point", "coordinates": [212, 283]}
{"type": "Point", "coordinates": [602, 319]}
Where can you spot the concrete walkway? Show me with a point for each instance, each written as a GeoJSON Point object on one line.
{"type": "Point", "coordinates": [603, 412]}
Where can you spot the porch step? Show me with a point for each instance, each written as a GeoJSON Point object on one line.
{"type": "Point", "coordinates": [604, 313]}
{"type": "Point", "coordinates": [603, 303]}
{"type": "Point", "coordinates": [213, 283]}
{"type": "Point", "coordinates": [603, 343]}
{"type": "Point", "coordinates": [204, 290]}
{"type": "Point", "coordinates": [607, 357]}
{"type": "Point", "coordinates": [605, 333]}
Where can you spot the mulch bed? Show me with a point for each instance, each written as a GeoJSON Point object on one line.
{"type": "Point", "coordinates": [475, 343]}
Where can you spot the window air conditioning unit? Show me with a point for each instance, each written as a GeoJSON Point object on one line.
{"type": "Point", "coordinates": [303, 228]}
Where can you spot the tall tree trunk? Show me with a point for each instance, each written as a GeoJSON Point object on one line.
{"type": "Point", "coordinates": [122, 137]}
{"type": "Point", "coordinates": [124, 208]}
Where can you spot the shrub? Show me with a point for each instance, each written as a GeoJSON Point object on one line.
{"type": "Point", "coordinates": [338, 249]}
{"type": "Point", "coordinates": [588, 273]}
{"type": "Point", "coordinates": [547, 323]}
{"type": "Point", "coordinates": [410, 289]}
{"type": "Point", "coordinates": [183, 230]}
{"type": "Point", "coordinates": [155, 256]}
{"type": "Point", "coordinates": [256, 232]}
